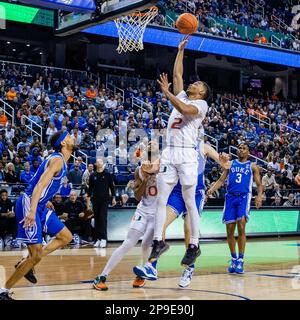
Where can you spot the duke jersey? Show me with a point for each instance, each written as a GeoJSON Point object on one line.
{"type": "Point", "coordinates": [240, 178]}
{"type": "Point", "coordinates": [182, 130]}
{"type": "Point", "coordinates": [54, 184]}
{"type": "Point", "coordinates": [148, 202]}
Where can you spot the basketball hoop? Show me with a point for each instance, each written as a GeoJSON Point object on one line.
{"type": "Point", "coordinates": [131, 29]}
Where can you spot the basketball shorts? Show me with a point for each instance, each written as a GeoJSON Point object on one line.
{"type": "Point", "coordinates": [236, 207]}
{"type": "Point", "coordinates": [142, 221]}
{"type": "Point", "coordinates": [176, 202]}
{"type": "Point", "coordinates": [46, 221]}
{"type": "Point", "coordinates": [179, 163]}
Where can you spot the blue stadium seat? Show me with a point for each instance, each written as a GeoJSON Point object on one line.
{"type": "Point", "coordinates": [92, 160]}
{"type": "Point", "coordinates": [93, 153]}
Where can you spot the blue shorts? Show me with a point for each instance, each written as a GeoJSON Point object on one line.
{"type": "Point", "coordinates": [46, 221]}
{"type": "Point", "coordinates": [176, 202]}
{"type": "Point", "coordinates": [236, 207]}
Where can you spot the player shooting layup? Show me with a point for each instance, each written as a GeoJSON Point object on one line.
{"type": "Point", "coordinates": [180, 159]}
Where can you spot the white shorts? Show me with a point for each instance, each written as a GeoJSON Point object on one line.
{"type": "Point", "coordinates": [179, 163]}
{"type": "Point", "coordinates": [142, 221]}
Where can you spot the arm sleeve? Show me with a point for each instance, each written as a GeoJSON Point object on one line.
{"type": "Point", "coordinates": [111, 185]}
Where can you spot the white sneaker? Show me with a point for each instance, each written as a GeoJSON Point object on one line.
{"type": "Point", "coordinates": [2, 245]}
{"type": "Point", "coordinates": [48, 238]}
{"type": "Point", "coordinates": [7, 241]}
{"type": "Point", "coordinates": [97, 244]}
{"type": "Point", "coordinates": [186, 277]}
{"type": "Point", "coordinates": [103, 243]}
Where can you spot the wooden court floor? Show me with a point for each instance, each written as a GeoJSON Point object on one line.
{"type": "Point", "coordinates": [272, 272]}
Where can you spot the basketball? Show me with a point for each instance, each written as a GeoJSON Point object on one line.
{"type": "Point", "coordinates": [187, 23]}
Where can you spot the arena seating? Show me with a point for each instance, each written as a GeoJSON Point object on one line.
{"type": "Point", "coordinates": [255, 21]}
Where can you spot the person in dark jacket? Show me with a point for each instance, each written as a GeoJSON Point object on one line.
{"type": "Point", "coordinates": [101, 187]}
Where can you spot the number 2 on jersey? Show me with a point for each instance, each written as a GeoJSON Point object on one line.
{"type": "Point", "coordinates": [176, 124]}
{"type": "Point", "coordinates": [239, 178]}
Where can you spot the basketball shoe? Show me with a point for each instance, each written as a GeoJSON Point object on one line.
{"type": "Point", "coordinates": [147, 271]}
{"type": "Point", "coordinates": [99, 283]}
{"type": "Point", "coordinates": [5, 295]}
{"type": "Point", "coordinates": [233, 265]}
{"type": "Point", "coordinates": [29, 275]}
{"type": "Point", "coordinates": [138, 282]}
{"type": "Point", "coordinates": [240, 266]}
{"type": "Point", "coordinates": [158, 248]}
{"type": "Point", "coordinates": [186, 277]}
{"type": "Point", "coordinates": [191, 254]}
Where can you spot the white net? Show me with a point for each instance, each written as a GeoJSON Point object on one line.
{"type": "Point", "coordinates": [131, 30]}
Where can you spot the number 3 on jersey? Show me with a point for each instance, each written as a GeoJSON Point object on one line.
{"type": "Point", "coordinates": [176, 124]}
{"type": "Point", "coordinates": [239, 178]}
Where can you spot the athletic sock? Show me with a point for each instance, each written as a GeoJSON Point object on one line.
{"type": "Point", "coordinates": [154, 263]}
{"type": "Point", "coordinates": [241, 256]}
{"type": "Point", "coordinates": [233, 255]}
{"type": "Point", "coordinates": [3, 290]}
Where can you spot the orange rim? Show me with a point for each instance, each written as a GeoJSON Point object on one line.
{"type": "Point", "coordinates": [142, 14]}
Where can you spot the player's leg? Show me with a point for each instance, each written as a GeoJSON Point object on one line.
{"type": "Point", "coordinates": [136, 231]}
{"type": "Point", "coordinates": [151, 271]}
{"type": "Point", "coordinates": [230, 229]}
{"type": "Point", "coordinates": [187, 274]}
{"type": "Point", "coordinates": [166, 181]}
{"type": "Point", "coordinates": [230, 218]}
{"type": "Point", "coordinates": [241, 244]}
{"type": "Point", "coordinates": [171, 217]}
{"type": "Point", "coordinates": [30, 276]}
{"type": "Point", "coordinates": [23, 268]}
{"type": "Point", "coordinates": [188, 177]}
{"type": "Point", "coordinates": [242, 219]}
{"type": "Point", "coordinates": [132, 239]}
{"type": "Point", "coordinates": [60, 233]}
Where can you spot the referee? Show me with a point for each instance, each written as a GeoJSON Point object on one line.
{"type": "Point", "coordinates": [101, 186]}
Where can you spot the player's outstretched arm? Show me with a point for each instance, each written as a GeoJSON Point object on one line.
{"type": "Point", "coordinates": [178, 67]}
{"type": "Point", "coordinates": [257, 179]}
{"type": "Point", "coordinates": [53, 168]}
{"type": "Point", "coordinates": [218, 184]}
{"type": "Point", "coordinates": [140, 185]}
{"type": "Point", "coordinates": [221, 159]}
{"type": "Point", "coordinates": [184, 109]}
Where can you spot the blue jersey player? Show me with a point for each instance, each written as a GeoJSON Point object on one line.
{"type": "Point", "coordinates": [176, 208]}
{"type": "Point", "coordinates": [237, 202]}
{"type": "Point", "coordinates": [33, 215]}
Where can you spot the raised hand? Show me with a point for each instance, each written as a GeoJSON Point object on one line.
{"type": "Point", "coordinates": [183, 43]}
{"type": "Point", "coordinates": [164, 83]}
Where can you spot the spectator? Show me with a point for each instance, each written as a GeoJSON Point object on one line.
{"type": "Point", "coordinates": [277, 202]}
{"type": "Point", "coordinates": [26, 174]}
{"type": "Point", "coordinates": [8, 224]}
{"type": "Point", "coordinates": [91, 93]}
{"type": "Point", "coordinates": [290, 201]}
{"type": "Point", "coordinates": [10, 174]}
{"type": "Point", "coordinates": [66, 188]}
{"type": "Point", "coordinates": [82, 165]}
{"type": "Point", "coordinates": [86, 175]}
{"type": "Point", "coordinates": [35, 165]}
{"type": "Point", "coordinates": [75, 175]}
{"type": "Point", "coordinates": [75, 222]}
{"type": "Point", "coordinates": [59, 207]}
{"type": "Point", "coordinates": [269, 183]}
{"type": "Point", "coordinates": [50, 131]}
{"type": "Point", "coordinates": [100, 187]}
{"type": "Point", "coordinates": [3, 119]}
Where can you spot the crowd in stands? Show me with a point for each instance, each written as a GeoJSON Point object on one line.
{"type": "Point", "coordinates": [84, 108]}
{"type": "Point", "coordinates": [239, 13]}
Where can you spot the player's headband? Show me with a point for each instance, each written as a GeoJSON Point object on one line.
{"type": "Point", "coordinates": [61, 139]}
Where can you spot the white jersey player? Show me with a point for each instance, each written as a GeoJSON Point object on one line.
{"type": "Point", "coordinates": [142, 224]}
{"type": "Point", "coordinates": [179, 160]}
